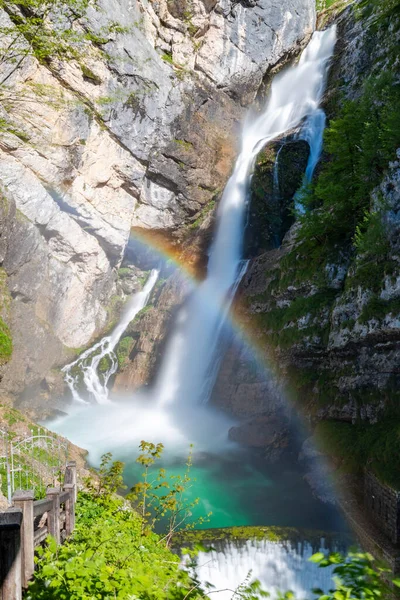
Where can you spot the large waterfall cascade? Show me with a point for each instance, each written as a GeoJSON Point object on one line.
{"type": "Point", "coordinates": [174, 411]}
{"type": "Point", "coordinates": [186, 375]}
{"type": "Point", "coordinates": [190, 364]}
{"type": "Point", "coordinates": [88, 362]}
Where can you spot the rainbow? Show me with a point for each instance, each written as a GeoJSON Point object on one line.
{"type": "Point", "coordinates": [243, 329]}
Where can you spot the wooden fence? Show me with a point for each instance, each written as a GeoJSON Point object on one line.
{"type": "Point", "coordinates": [26, 525]}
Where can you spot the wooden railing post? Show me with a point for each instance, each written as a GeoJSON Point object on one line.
{"type": "Point", "coordinates": [70, 476]}
{"type": "Point", "coordinates": [10, 554]}
{"type": "Point", "coordinates": [53, 518]}
{"type": "Point", "coordinates": [70, 508]}
{"type": "Point", "coordinates": [23, 499]}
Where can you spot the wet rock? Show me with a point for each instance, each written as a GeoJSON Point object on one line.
{"type": "Point", "coordinates": [149, 331]}
{"type": "Point", "coordinates": [278, 175]}
{"type": "Point", "coordinates": [264, 432]}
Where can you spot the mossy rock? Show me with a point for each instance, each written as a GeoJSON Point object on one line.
{"type": "Point", "coordinates": [88, 75]}
{"type": "Point", "coordinates": [105, 364]}
{"type": "Point", "coordinates": [123, 350]}
{"type": "Point", "coordinates": [270, 204]}
{"type": "Point", "coordinates": [210, 537]}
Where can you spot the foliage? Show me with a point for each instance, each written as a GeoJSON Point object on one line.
{"type": "Point", "coordinates": [340, 223]}
{"type": "Point", "coordinates": [43, 28]}
{"type": "Point", "coordinates": [110, 478]}
{"type": "Point", "coordinates": [311, 305]}
{"type": "Point", "coordinates": [124, 272]}
{"type": "Point", "coordinates": [357, 576]}
{"type": "Point", "coordinates": [373, 445]}
{"type": "Point", "coordinates": [6, 345]}
{"type": "Point", "coordinates": [160, 497]}
{"type": "Point", "coordinates": [110, 555]}
{"type": "Point", "coordinates": [360, 142]}
{"type": "Point", "coordinates": [380, 9]}
{"type": "Point", "coordinates": [376, 308]}
{"type": "Point", "coordinates": [107, 557]}
{"type": "Point", "coordinates": [167, 58]}
{"type": "Point", "coordinates": [123, 350]}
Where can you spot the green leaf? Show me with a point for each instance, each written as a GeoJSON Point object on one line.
{"type": "Point", "coordinates": [317, 557]}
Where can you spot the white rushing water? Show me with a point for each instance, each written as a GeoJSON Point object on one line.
{"type": "Point", "coordinates": [312, 132]}
{"type": "Point", "coordinates": [87, 365]}
{"type": "Point", "coordinates": [279, 566]}
{"type": "Point", "coordinates": [187, 375]}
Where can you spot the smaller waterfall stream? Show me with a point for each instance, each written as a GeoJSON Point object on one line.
{"type": "Point", "coordinates": [88, 362]}
{"type": "Point", "coordinates": [280, 566]}
{"type": "Point", "coordinates": [311, 132]}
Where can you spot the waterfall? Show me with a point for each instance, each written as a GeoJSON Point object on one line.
{"type": "Point", "coordinates": [312, 132]}
{"type": "Point", "coordinates": [88, 362]}
{"type": "Point", "coordinates": [280, 566]}
{"type": "Point", "coordinates": [275, 178]}
{"type": "Point", "coordinates": [187, 373]}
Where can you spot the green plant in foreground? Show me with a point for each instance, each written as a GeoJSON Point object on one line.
{"type": "Point", "coordinates": [163, 498]}
{"type": "Point", "coordinates": [107, 557]}
{"type": "Point", "coordinates": [357, 576]}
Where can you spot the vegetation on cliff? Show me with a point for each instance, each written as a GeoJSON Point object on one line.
{"type": "Point", "coordinates": [330, 306]}
{"type": "Point", "coordinates": [343, 216]}
{"type": "Point", "coordinates": [5, 343]}
{"type": "Point", "coordinates": [46, 29]}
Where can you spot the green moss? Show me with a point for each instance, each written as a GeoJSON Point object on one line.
{"type": "Point", "coordinates": [278, 318]}
{"type": "Point", "coordinates": [143, 311]}
{"type": "Point", "coordinates": [9, 128]}
{"type": "Point", "coordinates": [167, 58]}
{"type": "Point", "coordinates": [361, 444]}
{"type": "Point", "coordinates": [123, 350]}
{"type": "Point", "coordinates": [124, 272]}
{"type": "Point", "coordinates": [207, 209]}
{"type": "Point", "coordinates": [208, 537]}
{"type": "Point", "coordinates": [315, 336]}
{"type": "Point", "coordinates": [376, 308]}
{"type": "Point", "coordinates": [13, 416]}
{"type": "Point", "coordinates": [6, 345]}
{"type": "Point", "coordinates": [347, 324]}
{"type": "Point", "coordinates": [90, 76]}
{"type": "Point", "coordinates": [184, 144]}
{"type": "Point", "coordinates": [104, 364]}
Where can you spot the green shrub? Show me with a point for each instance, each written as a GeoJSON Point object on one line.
{"type": "Point", "coordinates": [107, 557]}
{"type": "Point", "coordinates": [124, 272]}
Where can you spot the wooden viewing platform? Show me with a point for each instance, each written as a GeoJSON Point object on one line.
{"type": "Point", "coordinates": [26, 525]}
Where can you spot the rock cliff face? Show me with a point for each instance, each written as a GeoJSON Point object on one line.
{"type": "Point", "coordinates": [332, 324]}
{"type": "Point", "coordinates": [141, 132]}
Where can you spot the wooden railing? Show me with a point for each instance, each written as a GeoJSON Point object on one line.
{"type": "Point", "coordinates": [26, 525]}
